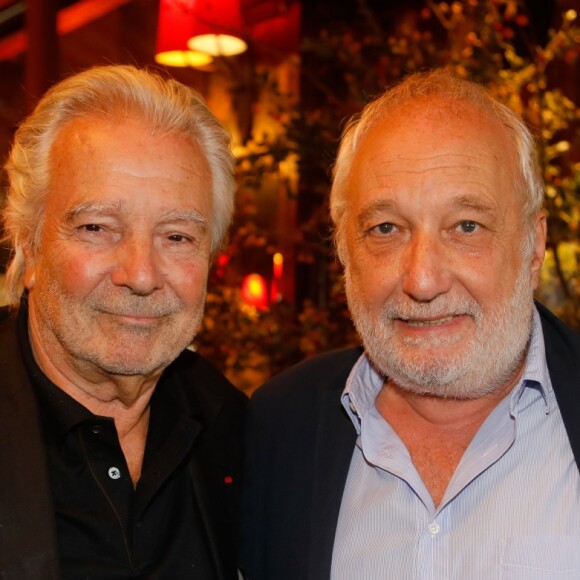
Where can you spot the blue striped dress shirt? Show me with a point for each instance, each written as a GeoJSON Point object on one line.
{"type": "Point", "coordinates": [511, 510]}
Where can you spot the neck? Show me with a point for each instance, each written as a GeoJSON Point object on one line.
{"type": "Point", "coordinates": [436, 412]}
{"type": "Point", "coordinates": [436, 431]}
{"type": "Point", "coordinates": [124, 398]}
{"type": "Point", "coordinates": [101, 393]}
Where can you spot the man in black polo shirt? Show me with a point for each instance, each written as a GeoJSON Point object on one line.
{"type": "Point", "coordinates": [119, 447]}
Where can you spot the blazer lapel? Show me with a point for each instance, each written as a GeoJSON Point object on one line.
{"type": "Point", "coordinates": [334, 444]}
{"type": "Point", "coordinates": [562, 356]}
{"type": "Point", "coordinates": [216, 487]}
{"type": "Point", "coordinates": [210, 517]}
{"type": "Point", "coordinates": [27, 536]}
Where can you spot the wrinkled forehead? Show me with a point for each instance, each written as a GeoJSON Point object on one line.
{"type": "Point", "coordinates": [431, 132]}
{"type": "Point", "coordinates": [422, 119]}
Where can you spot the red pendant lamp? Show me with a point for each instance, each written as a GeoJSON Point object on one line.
{"type": "Point", "coordinates": [174, 27]}
{"type": "Point", "coordinates": [216, 28]}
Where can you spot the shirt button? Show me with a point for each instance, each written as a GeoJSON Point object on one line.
{"type": "Point", "coordinates": [433, 528]}
{"type": "Point", "coordinates": [96, 429]}
{"type": "Point", "coordinates": [114, 472]}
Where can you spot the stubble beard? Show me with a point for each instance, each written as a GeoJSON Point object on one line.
{"type": "Point", "coordinates": [461, 369]}
{"type": "Point", "coordinates": [75, 327]}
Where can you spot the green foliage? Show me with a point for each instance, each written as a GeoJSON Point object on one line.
{"type": "Point", "coordinates": [343, 65]}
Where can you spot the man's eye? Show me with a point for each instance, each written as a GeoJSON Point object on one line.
{"type": "Point", "coordinates": [383, 229]}
{"type": "Point", "coordinates": [179, 238]}
{"type": "Point", "coordinates": [468, 226]}
{"type": "Point", "coordinates": [92, 228]}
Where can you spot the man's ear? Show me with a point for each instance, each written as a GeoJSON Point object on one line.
{"type": "Point", "coordinates": [539, 250]}
{"type": "Point", "coordinates": [29, 267]}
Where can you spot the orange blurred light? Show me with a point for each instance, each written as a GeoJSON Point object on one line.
{"type": "Point", "coordinates": [255, 291]}
{"type": "Point", "coordinates": [278, 265]}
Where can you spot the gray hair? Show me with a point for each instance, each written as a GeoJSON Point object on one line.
{"type": "Point", "coordinates": [438, 82]}
{"type": "Point", "coordinates": [109, 92]}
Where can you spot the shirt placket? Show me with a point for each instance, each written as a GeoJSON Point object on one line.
{"type": "Point", "coordinates": [432, 546]}
{"type": "Point", "coordinates": [106, 463]}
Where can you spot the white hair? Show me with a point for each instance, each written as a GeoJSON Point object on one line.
{"type": "Point", "coordinates": [111, 92]}
{"type": "Point", "coordinates": [437, 83]}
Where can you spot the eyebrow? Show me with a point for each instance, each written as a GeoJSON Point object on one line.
{"type": "Point", "coordinates": [174, 215]}
{"type": "Point", "coordinates": [170, 215]}
{"type": "Point", "coordinates": [473, 202]}
{"type": "Point", "coordinates": [94, 208]}
{"type": "Point", "coordinates": [469, 201]}
{"type": "Point", "coordinates": [374, 208]}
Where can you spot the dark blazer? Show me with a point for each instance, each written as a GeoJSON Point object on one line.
{"type": "Point", "coordinates": [300, 444]}
{"type": "Point", "coordinates": [28, 549]}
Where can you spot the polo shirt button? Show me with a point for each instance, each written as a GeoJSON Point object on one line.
{"type": "Point", "coordinates": [433, 528]}
{"type": "Point", "coordinates": [114, 472]}
{"type": "Point", "coordinates": [96, 428]}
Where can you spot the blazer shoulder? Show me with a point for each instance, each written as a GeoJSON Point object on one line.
{"type": "Point", "coordinates": [6, 312]}
{"type": "Point", "coordinates": [325, 371]}
{"type": "Point", "coordinates": [8, 318]}
{"type": "Point", "coordinates": [11, 365]}
{"type": "Point", "coordinates": [557, 334]}
{"type": "Point", "coordinates": [208, 377]}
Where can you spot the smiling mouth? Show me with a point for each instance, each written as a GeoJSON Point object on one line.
{"type": "Point", "coordinates": [143, 315]}
{"type": "Point", "coordinates": [429, 322]}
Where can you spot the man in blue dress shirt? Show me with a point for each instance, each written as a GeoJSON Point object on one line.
{"type": "Point", "coordinates": [448, 447]}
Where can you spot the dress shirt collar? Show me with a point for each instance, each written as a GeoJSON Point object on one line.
{"type": "Point", "coordinates": [364, 382]}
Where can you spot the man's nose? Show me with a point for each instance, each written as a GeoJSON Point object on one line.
{"type": "Point", "coordinates": [137, 266]}
{"type": "Point", "coordinates": [425, 267]}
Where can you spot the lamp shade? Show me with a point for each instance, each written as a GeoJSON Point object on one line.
{"type": "Point", "coordinates": [174, 27]}
{"type": "Point", "coordinates": [216, 28]}
{"type": "Point", "coordinates": [275, 33]}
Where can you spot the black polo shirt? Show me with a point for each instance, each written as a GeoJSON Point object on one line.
{"type": "Point", "coordinates": [106, 528]}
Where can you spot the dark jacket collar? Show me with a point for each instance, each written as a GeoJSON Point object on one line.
{"type": "Point", "coordinates": [28, 548]}
{"type": "Point", "coordinates": [563, 358]}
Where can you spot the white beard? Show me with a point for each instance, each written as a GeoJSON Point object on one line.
{"type": "Point", "coordinates": [473, 368]}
